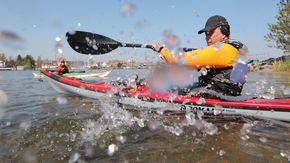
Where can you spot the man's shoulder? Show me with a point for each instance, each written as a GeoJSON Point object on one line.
{"type": "Point", "coordinates": [235, 43]}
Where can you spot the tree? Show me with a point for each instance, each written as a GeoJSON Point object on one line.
{"type": "Point", "coordinates": [10, 62]}
{"type": "Point", "coordinates": [28, 62]}
{"type": "Point", "coordinates": [2, 57]}
{"type": "Point", "coordinates": [280, 32]}
{"type": "Point", "coordinates": [19, 60]}
{"type": "Point", "coordinates": [39, 62]}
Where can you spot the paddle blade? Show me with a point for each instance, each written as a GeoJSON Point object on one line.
{"type": "Point", "coordinates": [89, 43]}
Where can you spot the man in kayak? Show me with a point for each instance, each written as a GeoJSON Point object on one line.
{"type": "Point", "coordinates": [223, 70]}
{"type": "Point", "coordinates": [62, 68]}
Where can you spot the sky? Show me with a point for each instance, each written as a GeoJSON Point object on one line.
{"type": "Point", "coordinates": [38, 23]}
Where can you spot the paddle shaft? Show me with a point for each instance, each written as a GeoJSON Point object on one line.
{"type": "Point", "coordinates": [136, 45]}
{"type": "Point", "coordinates": [148, 46]}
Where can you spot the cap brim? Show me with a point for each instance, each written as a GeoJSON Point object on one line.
{"type": "Point", "coordinates": [201, 31]}
{"type": "Point", "coordinates": [206, 30]}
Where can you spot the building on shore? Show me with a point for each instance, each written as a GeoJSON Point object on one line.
{"type": "Point", "coordinates": [3, 67]}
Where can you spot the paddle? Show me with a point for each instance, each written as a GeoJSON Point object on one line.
{"type": "Point", "coordinates": [95, 44]}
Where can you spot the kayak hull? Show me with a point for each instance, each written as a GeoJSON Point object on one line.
{"type": "Point", "coordinates": [142, 98]}
{"type": "Point", "coordinates": [68, 89]}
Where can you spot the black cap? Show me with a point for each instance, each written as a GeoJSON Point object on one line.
{"type": "Point", "coordinates": [214, 22]}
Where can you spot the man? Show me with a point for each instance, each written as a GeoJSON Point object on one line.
{"type": "Point", "coordinates": [217, 60]}
{"type": "Point", "coordinates": [62, 68]}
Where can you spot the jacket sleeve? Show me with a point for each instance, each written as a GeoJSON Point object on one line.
{"type": "Point", "coordinates": [210, 57]}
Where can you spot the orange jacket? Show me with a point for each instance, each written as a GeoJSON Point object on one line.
{"type": "Point", "coordinates": [209, 57]}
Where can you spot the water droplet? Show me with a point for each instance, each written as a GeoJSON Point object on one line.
{"type": "Point", "coordinates": [3, 102]}
{"type": "Point", "coordinates": [74, 158]}
{"type": "Point", "coordinates": [172, 97]}
{"type": "Point", "coordinates": [3, 98]}
{"type": "Point", "coordinates": [199, 114]}
{"type": "Point", "coordinates": [245, 130]}
{"type": "Point", "coordinates": [121, 139]}
{"type": "Point", "coordinates": [153, 125]}
{"type": "Point", "coordinates": [217, 45]}
{"type": "Point", "coordinates": [203, 71]}
{"type": "Point", "coordinates": [127, 8]}
{"type": "Point", "coordinates": [140, 122]}
{"type": "Point", "coordinates": [222, 152]}
{"type": "Point", "coordinates": [112, 149]}
{"type": "Point", "coordinates": [200, 101]}
{"type": "Point", "coordinates": [79, 24]}
{"type": "Point", "coordinates": [287, 91]}
{"type": "Point", "coordinates": [8, 123]}
{"type": "Point", "coordinates": [72, 32]}
{"type": "Point", "coordinates": [95, 47]}
{"type": "Point", "coordinates": [186, 101]}
{"type": "Point", "coordinates": [59, 50]}
{"type": "Point", "coordinates": [57, 39]}
{"type": "Point", "coordinates": [218, 110]}
{"type": "Point", "coordinates": [190, 118]}
{"type": "Point", "coordinates": [177, 131]}
{"type": "Point", "coordinates": [61, 100]}
{"type": "Point", "coordinates": [226, 126]}
{"type": "Point", "coordinates": [263, 139]}
{"type": "Point", "coordinates": [211, 129]}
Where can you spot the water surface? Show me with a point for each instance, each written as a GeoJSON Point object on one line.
{"type": "Point", "coordinates": [37, 124]}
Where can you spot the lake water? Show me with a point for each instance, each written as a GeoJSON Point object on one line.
{"type": "Point", "coordinates": [37, 124]}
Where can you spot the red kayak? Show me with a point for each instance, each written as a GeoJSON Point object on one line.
{"type": "Point", "coordinates": [141, 97]}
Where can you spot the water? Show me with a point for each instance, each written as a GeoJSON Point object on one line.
{"type": "Point", "coordinates": [39, 125]}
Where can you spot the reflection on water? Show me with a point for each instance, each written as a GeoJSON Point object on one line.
{"type": "Point", "coordinates": [39, 125]}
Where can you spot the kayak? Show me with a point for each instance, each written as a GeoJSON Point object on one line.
{"type": "Point", "coordinates": [143, 98]}
{"type": "Point", "coordinates": [81, 75]}
{"type": "Point", "coordinates": [37, 75]}
{"type": "Point", "coordinates": [89, 74]}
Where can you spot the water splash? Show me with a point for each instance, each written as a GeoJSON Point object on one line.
{"type": "Point", "coordinates": [263, 90]}
{"type": "Point", "coordinates": [174, 129]}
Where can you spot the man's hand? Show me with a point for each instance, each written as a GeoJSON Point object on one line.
{"type": "Point", "coordinates": [157, 47]}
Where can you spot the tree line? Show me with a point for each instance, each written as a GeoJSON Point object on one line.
{"type": "Point", "coordinates": [280, 31]}
{"type": "Point", "coordinates": [28, 62]}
